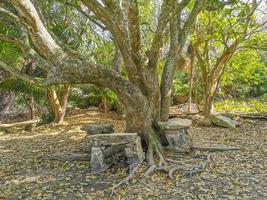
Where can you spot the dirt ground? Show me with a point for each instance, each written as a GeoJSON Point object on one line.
{"type": "Point", "coordinates": [230, 175]}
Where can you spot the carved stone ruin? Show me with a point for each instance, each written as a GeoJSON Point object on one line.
{"type": "Point", "coordinates": [94, 129]}
{"type": "Point", "coordinates": [105, 145]}
{"type": "Point", "coordinates": [176, 133]}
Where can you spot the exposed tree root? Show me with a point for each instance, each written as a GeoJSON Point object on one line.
{"type": "Point", "coordinates": [154, 168]}
{"type": "Point", "coordinates": [199, 168]}
{"type": "Point", "coordinates": [147, 185]}
{"type": "Point", "coordinates": [188, 170]}
{"type": "Point", "coordinates": [133, 168]}
{"type": "Point", "coordinates": [216, 148]}
{"type": "Point", "coordinates": [155, 147]}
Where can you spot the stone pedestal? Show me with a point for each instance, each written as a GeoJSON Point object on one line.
{"type": "Point", "coordinates": [102, 145]}
{"type": "Point", "coordinates": [175, 131]}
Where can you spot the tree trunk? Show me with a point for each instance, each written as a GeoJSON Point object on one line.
{"type": "Point", "coordinates": [58, 104]}
{"type": "Point", "coordinates": [5, 101]}
{"type": "Point", "coordinates": [191, 76]}
{"type": "Point", "coordinates": [32, 107]}
{"type": "Point", "coordinates": [196, 95]}
{"type": "Point", "coordinates": [142, 119]}
{"type": "Point", "coordinates": [166, 91]}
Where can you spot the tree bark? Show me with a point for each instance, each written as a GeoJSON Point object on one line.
{"type": "Point", "coordinates": [58, 103]}
{"type": "Point", "coordinates": [196, 94]}
{"type": "Point", "coordinates": [191, 76]}
{"type": "Point", "coordinates": [5, 102]}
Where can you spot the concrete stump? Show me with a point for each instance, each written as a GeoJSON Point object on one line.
{"type": "Point", "coordinates": [179, 140]}
{"type": "Point", "coordinates": [175, 131]}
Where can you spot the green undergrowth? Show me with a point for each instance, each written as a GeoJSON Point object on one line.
{"type": "Point", "coordinates": [243, 106]}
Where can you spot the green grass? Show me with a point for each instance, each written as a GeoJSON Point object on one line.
{"type": "Point", "coordinates": [249, 106]}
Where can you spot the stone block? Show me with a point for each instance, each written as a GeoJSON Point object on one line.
{"type": "Point", "coordinates": [179, 140]}
{"type": "Point", "coordinates": [134, 152]}
{"type": "Point", "coordinates": [97, 160]}
{"type": "Point", "coordinates": [106, 145]}
{"type": "Point", "coordinates": [112, 139]}
{"type": "Point", "coordinates": [93, 129]}
{"type": "Point", "coordinates": [175, 123]}
{"type": "Point", "coordinates": [224, 121]}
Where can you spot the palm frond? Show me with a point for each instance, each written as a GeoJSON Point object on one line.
{"type": "Point", "coordinates": [20, 86]}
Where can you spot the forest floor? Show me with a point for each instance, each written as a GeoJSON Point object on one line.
{"type": "Point", "coordinates": [231, 175]}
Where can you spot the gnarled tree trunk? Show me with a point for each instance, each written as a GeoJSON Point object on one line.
{"type": "Point", "coordinates": [140, 93]}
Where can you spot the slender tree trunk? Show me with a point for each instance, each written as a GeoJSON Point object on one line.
{"type": "Point", "coordinates": [209, 91]}
{"type": "Point", "coordinates": [32, 107]}
{"type": "Point", "coordinates": [104, 104]}
{"type": "Point", "coordinates": [166, 84]}
{"type": "Point", "coordinates": [166, 91]}
{"type": "Point", "coordinates": [196, 94]}
{"type": "Point", "coordinates": [5, 102]}
{"type": "Point", "coordinates": [191, 76]}
{"type": "Point", "coordinates": [58, 105]}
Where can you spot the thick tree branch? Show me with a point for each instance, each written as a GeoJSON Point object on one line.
{"type": "Point", "coordinates": [14, 71]}
{"type": "Point", "coordinates": [40, 36]}
{"type": "Point", "coordinates": [134, 28]}
{"type": "Point", "coordinates": [191, 18]}
{"type": "Point", "coordinates": [164, 18]}
{"type": "Point", "coordinates": [113, 19]}
{"type": "Point", "coordinates": [90, 17]}
{"type": "Point", "coordinates": [72, 69]}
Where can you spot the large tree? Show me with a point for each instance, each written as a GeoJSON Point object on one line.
{"type": "Point", "coordinates": [145, 96]}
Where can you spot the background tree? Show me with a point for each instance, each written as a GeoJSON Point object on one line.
{"type": "Point", "coordinates": [58, 101]}
{"type": "Point", "coordinates": [218, 36]}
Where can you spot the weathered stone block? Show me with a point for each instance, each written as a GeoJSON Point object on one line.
{"type": "Point", "coordinates": [175, 131]}
{"type": "Point", "coordinates": [97, 160]}
{"type": "Point", "coordinates": [179, 140]}
{"type": "Point", "coordinates": [224, 121]}
{"type": "Point", "coordinates": [112, 139]}
{"type": "Point", "coordinates": [134, 152]}
{"type": "Point", "coordinates": [93, 129]}
{"type": "Point", "coordinates": [175, 123]}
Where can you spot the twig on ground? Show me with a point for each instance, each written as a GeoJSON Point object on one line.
{"type": "Point", "coordinates": [51, 158]}
{"type": "Point", "coordinates": [126, 179]}
{"type": "Point", "coordinates": [149, 171]}
{"type": "Point", "coordinates": [149, 186]}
